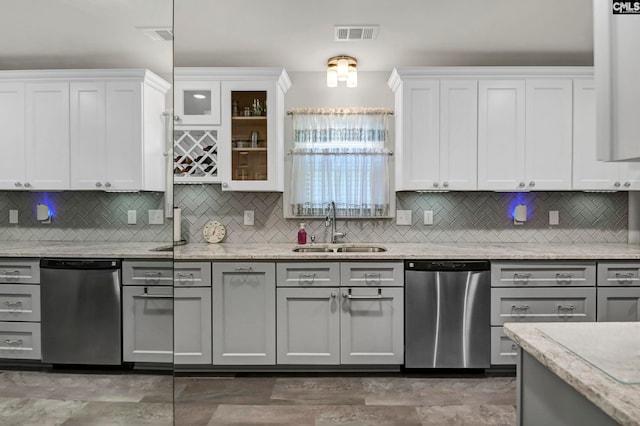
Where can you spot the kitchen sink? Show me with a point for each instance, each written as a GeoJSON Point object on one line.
{"type": "Point", "coordinates": [312, 250]}
{"type": "Point", "coordinates": [361, 249]}
{"type": "Point", "coordinates": [340, 249]}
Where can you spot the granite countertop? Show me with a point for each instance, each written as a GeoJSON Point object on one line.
{"type": "Point", "coordinates": [596, 359]}
{"type": "Point", "coordinates": [283, 251]}
{"type": "Point", "coordinates": [84, 249]}
{"type": "Point", "coordinates": [399, 251]}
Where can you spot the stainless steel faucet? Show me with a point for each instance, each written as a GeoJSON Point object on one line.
{"type": "Point", "coordinates": [331, 221]}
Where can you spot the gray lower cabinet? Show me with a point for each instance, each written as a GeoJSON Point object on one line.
{"type": "Point", "coordinates": [192, 325]}
{"type": "Point", "coordinates": [503, 350]}
{"type": "Point", "coordinates": [147, 324]}
{"type": "Point", "coordinates": [20, 340]}
{"type": "Point", "coordinates": [619, 304]}
{"type": "Point", "coordinates": [244, 318]}
{"type": "Point", "coordinates": [308, 325]}
{"type": "Point", "coordinates": [371, 326]}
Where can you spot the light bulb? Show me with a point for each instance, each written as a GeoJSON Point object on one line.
{"type": "Point", "coordinates": [352, 78]}
{"type": "Point", "coordinates": [343, 69]}
{"type": "Point", "coordinates": [332, 77]}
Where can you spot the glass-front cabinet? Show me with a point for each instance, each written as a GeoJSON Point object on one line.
{"type": "Point", "coordinates": [197, 102]}
{"type": "Point", "coordinates": [245, 152]}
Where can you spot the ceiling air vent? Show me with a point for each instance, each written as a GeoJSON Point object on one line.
{"type": "Point", "coordinates": [355, 32]}
{"type": "Point", "coordinates": [158, 34]}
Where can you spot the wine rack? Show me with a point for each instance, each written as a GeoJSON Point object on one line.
{"type": "Point", "coordinates": [195, 155]}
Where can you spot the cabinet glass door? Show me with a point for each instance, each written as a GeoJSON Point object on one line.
{"type": "Point", "coordinates": [197, 102]}
{"type": "Point", "coordinates": [248, 135]}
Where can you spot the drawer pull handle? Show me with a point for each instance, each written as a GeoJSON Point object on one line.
{"type": "Point", "coordinates": [566, 308]}
{"type": "Point", "coordinates": [17, 304]}
{"type": "Point", "coordinates": [564, 277]}
{"type": "Point", "coordinates": [244, 269]}
{"type": "Point", "coordinates": [514, 348]}
{"type": "Point", "coordinates": [521, 277]}
{"type": "Point", "coordinates": [307, 278]}
{"type": "Point", "coordinates": [152, 276]}
{"type": "Point", "coordinates": [184, 276]}
{"type": "Point", "coordinates": [11, 274]}
{"type": "Point", "coordinates": [146, 295]}
{"type": "Point", "coordinates": [372, 277]}
{"type": "Point", "coordinates": [350, 296]}
{"type": "Point", "coordinates": [625, 277]}
{"type": "Point", "coordinates": [16, 342]}
{"type": "Point", "coordinates": [519, 307]}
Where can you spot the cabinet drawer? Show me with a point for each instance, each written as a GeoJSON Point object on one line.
{"type": "Point", "coordinates": [19, 302]}
{"type": "Point", "coordinates": [618, 274]}
{"type": "Point", "coordinates": [192, 274]}
{"type": "Point", "coordinates": [147, 273]}
{"type": "Point", "coordinates": [542, 304]}
{"type": "Point", "coordinates": [20, 340]}
{"type": "Point", "coordinates": [23, 271]}
{"type": "Point", "coordinates": [619, 304]}
{"type": "Point", "coordinates": [308, 274]}
{"type": "Point", "coordinates": [503, 350]}
{"type": "Point", "coordinates": [543, 274]}
{"type": "Point", "coordinates": [369, 274]}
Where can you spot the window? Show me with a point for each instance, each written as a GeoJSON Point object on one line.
{"type": "Point", "coordinates": [339, 155]}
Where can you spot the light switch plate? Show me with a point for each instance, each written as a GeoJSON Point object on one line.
{"type": "Point", "coordinates": [156, 217]}
{"type": "Point", "coordinates": [132, 217]}
{"type": "Point", "coordinates": [403, 217]}
{"type": "Point", "coordinates": [428, 217]}
{"type": "Point", "coordinates": [13, 216]}
{"type": "Point", "coordinates": [554, 217]}
{"type": "Point", "coordinates": [249, 217]}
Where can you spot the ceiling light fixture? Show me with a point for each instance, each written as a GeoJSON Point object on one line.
{"type": "Point", "coordinates": [342, 68]}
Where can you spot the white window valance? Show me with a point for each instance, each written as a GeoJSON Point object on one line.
{"type": "Point", "coordinates": [339, 155]}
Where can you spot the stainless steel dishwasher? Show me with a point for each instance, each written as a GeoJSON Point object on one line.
{"type": "Point", "coordinates": [81, 311]}
{"type": "Point", "coordinates": [447, 314]}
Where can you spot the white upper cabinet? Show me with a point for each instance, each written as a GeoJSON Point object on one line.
{"type": "Point", "coordinates": [589, 173]}
{"type": "Point", "coordinates": [501, 135]}
{"type": "Point", "coordinates": [239, 142]}
{"type": "Point", "coordinates": [548, 134]}
{"type": "Point", "coordinates": [12, 143]}
{"type": "Point", "coordinates": [83, 129]}
{"type": "Point", "coordinates": [617, 67]}
{"type": "Point", "coordinates": [458, 134]}
{"type": "Point", "coordinates": [196, 102]}
{"type": "Point", "coordinates": [436, 132]}
{"type": "Point", "coordinates": [47, 136]}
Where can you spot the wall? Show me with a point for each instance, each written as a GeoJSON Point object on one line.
{"type": "Point", "coordinates": [82, 216]}
{"type": "Point", "coordinates": [458, 217]}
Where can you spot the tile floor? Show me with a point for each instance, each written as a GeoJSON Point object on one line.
{"type": "Point", "coordinates": [30, 398]}
{"type": "Point", "coordinates": [355, 401]}
{"type": "Point", "coordinates": [61, 398]}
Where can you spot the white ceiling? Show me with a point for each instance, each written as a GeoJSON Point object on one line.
{"type": "Point", "coordinates": [295, 34]}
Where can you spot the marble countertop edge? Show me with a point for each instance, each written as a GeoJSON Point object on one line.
{"type": "Point", "coordinates": [611, 396]}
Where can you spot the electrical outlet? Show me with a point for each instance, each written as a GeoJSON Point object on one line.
{"type": "Point", "coordinates": [249, 217]}
{"type": "Point", "coordinates": [13, 216]}
{"type": "Point", "coordinates": [156, 217]}
{"type": "Point", "coordinates": [554, 217]}
{"type": "Point", "coordinates": [428, 217]}
{"type": "Point", "coordinates": [132, 217]}
{"type": "Point", "coordinates": [403, 217]}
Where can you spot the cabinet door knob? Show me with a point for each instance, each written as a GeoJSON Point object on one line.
{"type": "Point", "coordinates": [225, 185]}
{"type": "Point", "coordinates": [333, 295]}
{"type": "Point", "coordinates": [98, 184]}
{"type": "Point", "coordinates": [18, 184]}
{"type": "Point", "coordinates": [532, 183]}
{"type": "Point", "coordinates": [445, 184]}
{"type": "Point", "coordinates": [107, 184]}
{"type": "Point", "coordinates": [617, 184]}
{"type": "Point", "coordinates": [176, 118]}
{"type": "Point", "coordinates": [627, 184]}
{"type": "Point", "coordinates": [27, 185]}
{"type": "Point", "coordinates": [521, 185]}
{"type": "Point", "coordinates": [435, 184]}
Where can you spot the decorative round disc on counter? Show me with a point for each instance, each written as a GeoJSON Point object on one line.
{"type": "Point", "coordinates": [214, 231]}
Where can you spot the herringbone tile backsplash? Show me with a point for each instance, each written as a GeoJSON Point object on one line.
{"type": "Point", "coordinates": [458, 217]}
{"type": "Point", "coordinates": [82, 216]}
